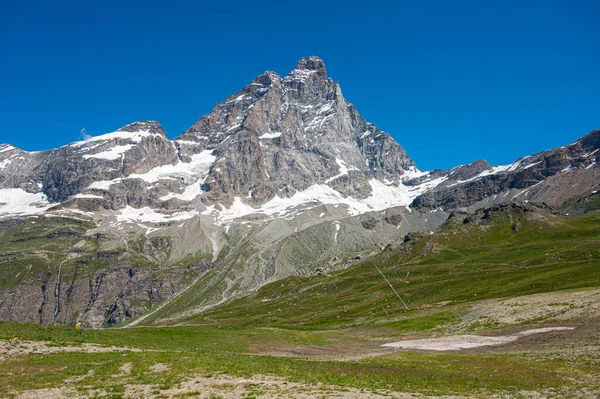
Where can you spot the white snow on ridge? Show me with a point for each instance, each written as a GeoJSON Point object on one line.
{"type": "Point", "coordinates": [112, 154]}
{"type": "Point", "coordinates": [16, 201]}
{"type": "Point", "coordinates": [199, 167]}
{"type": "Point", "coordinates": [5, 163]}
{"type": "Point", "coordinates": [136, 137]}
{"type": "Point", "coordinates": [532, 165]}
{"type": "Point", "coordinates": [196, 171]}
{"type": "Point", "coordinates": [6, 147]}
{"type": "Point", "coordinates": [382, 197]}
{"type": "Point", "coordinates": [103, 184]}
{"type": "Point", "coordinates": [87, 196]}
{"type": "Point", "coordinates": [495, 170]}
{"type": "Point", "coordinates": [325, 108]}
{"type": "Point", "coordinates": [299, 74]}
{"type": "Point", "coordinates": [270, 135]}
{"type": "Point", "coordinates": [147, 214]}
{"type": "Point", "coordinates": [585, 155]}
{"type": "Point", "coordinates": [412, 173]}
{"type": "Point", "coordinates": [344, 169]}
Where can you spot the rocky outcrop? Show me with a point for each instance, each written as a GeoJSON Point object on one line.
{"type": "Point", "coordinates": [470, 184]}
{"type": "Point", "coordinates": [110, 296]}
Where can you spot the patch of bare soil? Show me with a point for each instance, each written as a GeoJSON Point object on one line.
{"type": "Point", "coordinates": [548, 307]}
{"type": "Point", "coordinates": [125, 369]}
{"type": "Point", "coordinates": [348, 351]}
{"type": "Point", "coordinates": [579, 309]}
{"type": "Point", "coordinates": [459, 342]}
{"type": "Point", "coordinates": [159, 367]}
{"type": "Point", "coordinates": [16, 347]}
{"type": "Point", "coordinates": [263, 387]}
{"type": "Point", "coordinates": [63, 392]}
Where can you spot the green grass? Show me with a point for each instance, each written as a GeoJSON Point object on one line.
{"type": "Point", "coordinates": [460, 264]}
{"type": "Point", "coordinates": [508, 253]}
{"type": "Point", "coordinates": [190, 351]}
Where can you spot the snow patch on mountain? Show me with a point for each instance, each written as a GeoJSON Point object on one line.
{"type": "Point", "coordinates": [194, 171]}
{"type": "Point", "coordinates": [412, 173]}
{"type": "Point", "coordinates": [270, 135]}
{"type": "Point", "coordinates": [16, 201]}
{"type": "Point", "coordinates": [199, 165]}
{"type": "Point", "coordinates": [87, 196]}
{"type": "Point", "coordinates": [5, 163]}
{"type": "Point", "coordinates": [136, 137]}
{"type": "Point", "coordinates": [531, 165]}
{"type": "Point", "coordinates": [6, 147]}
{"type": "Point", "coordinates": [112, 154]}
{"type": "Point", "coordinates": [344, 169]}
{"type": "Point", "coordinates": [382, 197]}
{"type": "Point", "coordinates": [147, 214]}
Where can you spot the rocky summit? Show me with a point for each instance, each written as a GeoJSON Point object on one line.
{"type": "Point", "coordinates": [283, 178]}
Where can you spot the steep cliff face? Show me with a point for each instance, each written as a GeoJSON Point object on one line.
{"type": "Point", "coordinates": [279, 136]}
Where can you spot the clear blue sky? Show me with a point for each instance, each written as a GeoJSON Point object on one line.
{"type": "Point", "coordinates": [452, 81]}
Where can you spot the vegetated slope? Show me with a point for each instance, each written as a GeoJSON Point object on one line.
{"type": "Point", "coordinates": [54, 272]}
{"type": "Point", "coordinates": [503, 251]}
{"type": "Point", "coordinates": [319, 240]}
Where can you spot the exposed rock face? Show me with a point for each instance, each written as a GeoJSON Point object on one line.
{"type": "Point", "coordinates": [109, 297]}
{"type": "Point", "coordinates": [279, 136]}
{"type": "Point", "coordinates": [466, 172]}
{"type": "Point", "coordinates": [276, 137]}
{"type": "Point", "coordinates": [467, 185]}
{"type": "Point", "coordinates": [65, 172]}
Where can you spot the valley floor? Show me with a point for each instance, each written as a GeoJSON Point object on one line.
{"type": "Point", "coordinates": [562, 361]}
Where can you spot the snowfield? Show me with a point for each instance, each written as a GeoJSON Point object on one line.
{"type": "Point", "coordinates": [16, 201]}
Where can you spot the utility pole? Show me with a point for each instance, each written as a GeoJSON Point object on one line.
{"type": "Point", "coordinates": [392, 287]}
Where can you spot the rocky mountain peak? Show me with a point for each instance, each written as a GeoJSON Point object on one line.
{"type": "Point", "coordinates": [144, 126]}
{"type": "Point", "coordinates": [280, 136]}
{"type": "Point", "coordinates": [312, 63]}
{"type": "Point", "coordinates": [266, 78]}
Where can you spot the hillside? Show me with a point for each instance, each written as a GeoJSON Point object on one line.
{"type": "Point", "coordinates": [502, 273]}
{"type": "Point", "coordinates": [499, 252]}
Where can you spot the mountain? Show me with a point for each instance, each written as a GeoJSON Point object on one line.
{"type": "Point", "coordinates": [552, 177]}
{"type": "Point", "coordinates": [282, 178]}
